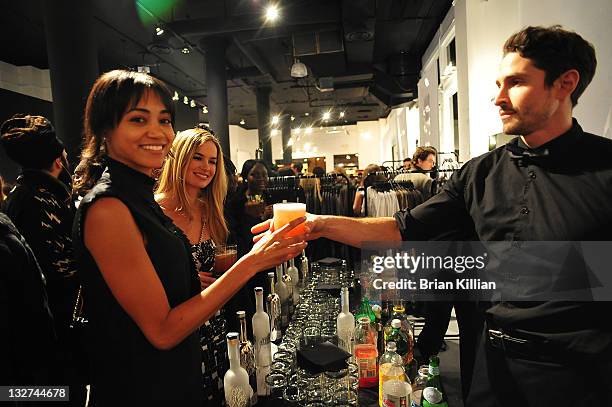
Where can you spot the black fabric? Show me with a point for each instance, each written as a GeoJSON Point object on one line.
{"type": "Point", "coordinates": [39, 205]}
{"type": "Point", "coordinates": [515, 193]}
{"type": "Point", "coordinates": [127, 369]}
{"type": "Point", "coordinates": [28, 343]}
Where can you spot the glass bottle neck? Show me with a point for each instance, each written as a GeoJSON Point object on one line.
{"type": "Point", "coordinates": [344, 298]}
{"type": "Point", "coordinates": [232, 353]}
{"type": "Point", "coordinates": [259, 302]}
{"type": "Point", "coordinates": [243, 330]}
{"type": "Point", "coordinates": [272, 292]}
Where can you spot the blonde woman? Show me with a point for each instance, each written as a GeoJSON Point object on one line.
{"type": "Point", "coordinates": [191, 191]}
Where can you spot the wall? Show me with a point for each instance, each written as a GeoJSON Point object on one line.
{"type": "Point", "coordinates": [243, 144]}
{"type": "Point", "coordinates": [487, 24]}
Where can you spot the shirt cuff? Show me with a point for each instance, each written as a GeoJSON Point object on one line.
{"type": "Point", "coordinates": [410, 228]}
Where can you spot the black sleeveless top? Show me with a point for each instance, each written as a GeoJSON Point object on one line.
{"type": "Point", "coordinates": [126, 368]}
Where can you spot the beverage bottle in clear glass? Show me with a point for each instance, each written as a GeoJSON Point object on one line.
{"type": "Point", "coordinates": [295, 278]}
{"type": "Point", "coordinates": [238, 391]}
{"type": "Point", "coordinates": [366, 354]}
{"type": "Point", "coordinates": [400, 338]}
{"type": "Point", "coordinates": [393, 388]}
{"type": "Point", "coordinates": [433, 394]}
{"type": "Point", "coordinates": [247, 355]}
{"type": "Point", "coordinates": [273, 305]}
{"type": "Point", "coordinates": [263, 348]}
{"type": "Point", "coordinates": [283, 293]}
{"type": "Point", "coordinates": [289, 284]}
{"type": "Point", "coordinates": [380, 345]}
{"type": "Point", "coordinates": [304, 268]}
{"type": "Point", "coordinates": [419, 383]}
{"type": "Point", "coordinates": [406, 327]}
{"type": "Point", "coordinates": [345, 323]}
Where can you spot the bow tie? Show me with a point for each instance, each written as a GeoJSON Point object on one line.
{"type": "Point", "coordinates": [519, 153]}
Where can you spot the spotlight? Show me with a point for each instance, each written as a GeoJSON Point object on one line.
{"type": "Point", "coordinates": [275, 119]}
{"type": "Point", "coordinates": [185, 50]}
{"type": "Point", "coordinates": [242, 122]}
{"type": "Point", "coordinates": [326, 115]}
{"type": "Point", "coordinates": [192, 103]}
{"type": "Point", "coordinates": [308, 130]}
{"type": "Point", "coordinates": [341, 114]}
{"type": "Point", "coordinates": [176, 96]}
{"type": "Point", "coordinates": [306, 114]}
{"type": "Point", "coordinates": [159, 30]}
{"type": "Point", "coordinates": [292, 117]}
{"type": "Point", "coordinates": [272, 13]}
{"type": "Point", "coordinates": [205, 109]}
{"type": "Point", "coordinates": [186, 100]}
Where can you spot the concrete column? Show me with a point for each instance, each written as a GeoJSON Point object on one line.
{"type": "Point", "coordinates": [216, 84]}
{"type": "Point", "coordinates": [262, 95]}
{"type": "Point", "coordinates": [73, 65]}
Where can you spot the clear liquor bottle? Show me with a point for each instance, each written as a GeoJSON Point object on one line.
{"type": "Point", "coordinates": [263, 347]}
{"type": "Point", "coordinates": [345, 323]}
{"type": "Point", "coordinates": [283, 293]}
{"type": "Point", "coordinates": [295, 278]}
{"type": "Point", "coordinates": [273, 305]}
{"type": "Point", "coordinates": [289, 284]}
{"type": "Point", "coordinates": [304, 268]}
{"type": "Point", "coordinates": [247, 355]}
{"type": "Point", "coordinates": [238, 391]}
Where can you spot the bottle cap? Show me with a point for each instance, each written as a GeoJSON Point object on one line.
{"type": "Point", "coordinates": [399, 308]}
{"type": "Point", "coordinates": [232, 336]}
{"type": "Point", "coordinates": [241, 314]}
{"type": "Point", "coordinates": [258, 290]}
{"type": "Point", "coordinates": [396, 323]}
{"type": "Point", "coordinates": [271, 274]}
{"type": "Point", "coordinates": [376, 308]}
{"type": "Point", "coordinates": [364, 320]}
{"type": "Point", "coordinates": [391, 347]}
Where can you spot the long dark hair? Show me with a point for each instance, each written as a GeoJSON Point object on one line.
{"type": "Point", "coordinates": [113, 94]}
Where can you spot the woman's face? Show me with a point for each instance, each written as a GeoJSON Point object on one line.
{"type": "Point", "coordinates": [427, 164]}
{"type": "Point", "coordinates": [203, 166]}
{"type": "Point", "coordinates": [258, 178]}
{"type": "Point", "coordinates": [144, 135]}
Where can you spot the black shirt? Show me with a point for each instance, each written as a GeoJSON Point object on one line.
{"type": "Point", "coordinates": [126, 367]}
{"type": "Point", "coordinates": [561, 191]}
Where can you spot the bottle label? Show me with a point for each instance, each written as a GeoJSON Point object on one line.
{"type": "Point", "coordinates": [262, 387]}
{"type": "Point", "coordinates": [432, 395]}
{"type": "Point", "coordinates": [434, 370]}
{"type": "Point", "coordinates": [238, 396]}
{"type": "Point", "coordinates": [263, 351]}
{"type": "Point", "coordinates": [367, 368]}
{"type": "Point", "coordinates": [390, 400]}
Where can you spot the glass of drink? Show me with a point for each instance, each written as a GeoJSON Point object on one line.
{"type": "Point", "coordinates": [285, 213]}
{"type": "Point", "coordinates": [225, 257]}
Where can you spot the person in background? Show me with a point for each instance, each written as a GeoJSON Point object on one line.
{"type": "Point", "coordinates": [144, 298]}
{"type": "Point", "coordinates": [423, 161]}
{"type": "Point", "coordinates": [191, 192]}
{"type": "Point", "coordinates": [40, 207]}
{"type": "Point", "coordinates": [364, 184]}
{"type": "Point", "coordinates": [519, 193]}
{"type": "Point", "coordinates": [318, 171]}
{"type": "Point", "coordinates": [424, 158]}
{"type": "Point", "coordinates": [286, 172]}
{"type": "Point", "coordinates": [407, 164]}
{"type": "Point", "coordinates": [297, 168]}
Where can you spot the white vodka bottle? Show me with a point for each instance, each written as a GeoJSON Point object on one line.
{"type": "Point", "coordinates": [283, 293]}
{"type": "Point", "coordinates": [295, 278]}
{"type": "Point", "coordinates": [263, 349]}
{"type": "Point", "coordinates": [273, 304]}
{"type": "Point", "coordinates": [238, 391]}
{"type": "Point", "coordinates": [345, 323]}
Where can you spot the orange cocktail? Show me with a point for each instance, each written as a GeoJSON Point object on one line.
{"type": "Point", "coordinates": [285, 213]}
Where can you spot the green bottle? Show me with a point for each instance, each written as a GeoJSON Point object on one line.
{"type": "Point", "coordinates": [433, 394]}
{"type": "Point", "coordinates": [365, 310]}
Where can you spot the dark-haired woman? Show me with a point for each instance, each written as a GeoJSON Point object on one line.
{"type": "Point", "coordinates": [142, 292]}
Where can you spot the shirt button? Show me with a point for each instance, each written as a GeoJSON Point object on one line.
{"type": "Point", "coordinates": [524, 210]}
{"type": "Point", "coordinates": [532, 174]}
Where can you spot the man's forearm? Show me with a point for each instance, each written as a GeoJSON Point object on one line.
{"type": "Point", "coordinates": [355, 231]}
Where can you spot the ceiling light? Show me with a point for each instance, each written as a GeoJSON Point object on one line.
{"type": "Point", "coordinates": [205, 109]}
{"type": "Point", "coordinates": [306, 114]}
{"type": "Point", "coordinates": [159, 30]}
{"type": "Point", "coordinates": [297, 130]}
{"type": "Point", "coordinates": [326, 115]}
{"type": "Point", "coordinates": [185, 50]}
{"type": "Point", "coordinates": [348, 157]}
{"type": "Point", "coordinates": [192, 103]}
{"type": "Point", "coordinates": [307, 146]}
{"type": "Point", "coordinates": [242, 121]}
{"type": "Point", "coordinates": [292, 117]}
{"type": "Point", "coordinates": [176, 96]}
{"type": "Point", "coordinates": [299, 70]}
{"type": "Point", "coordinates": [308, 130]}
{"type": "Point", "coordinates": [275, 119]}
{"type": "Point", "coordinates": [341, 114]}
{"type": "Point", "coordinates": [186, 100]}
{"type": "Point", "coordinates": [272, 13]}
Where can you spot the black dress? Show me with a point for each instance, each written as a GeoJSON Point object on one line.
{"type": "Point", "coordinates": [126, 368]}
{"type": "Point", "coordinates": [212, 333]}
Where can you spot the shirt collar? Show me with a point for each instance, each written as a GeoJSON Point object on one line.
{"type": "Point", "coordinates": [40, 178]}
{"type": "Point", "coordinates": [559, 147]}
{"type": "Point", "coordinates": [125, 177]}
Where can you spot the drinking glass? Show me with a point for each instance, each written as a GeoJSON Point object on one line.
{"type": "Point", "coordinates": [285, 213]}
{"type": "Point", "coordinates": [276, 383]}
{"type": "Point", "coordinates": [225, 257]}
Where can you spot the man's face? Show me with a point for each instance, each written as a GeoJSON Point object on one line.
{"type": "Point", "coordinates": [525, 103]}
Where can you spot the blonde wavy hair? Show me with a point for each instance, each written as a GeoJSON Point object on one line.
{"type": "Point", "coordinates": [172, 181]}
